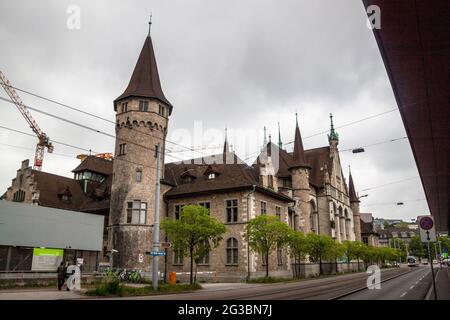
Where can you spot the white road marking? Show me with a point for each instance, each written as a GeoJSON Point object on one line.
{"type": "Point", "coordinates": [411, 287]}
{"type": "Point", "coordinates": [402, 295]}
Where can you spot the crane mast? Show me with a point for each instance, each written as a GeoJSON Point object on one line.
{"type": "Point", "coordinates": [44, 140]}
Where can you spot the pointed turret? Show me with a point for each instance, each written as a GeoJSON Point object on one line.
{"type": "Point", "coordinates": [226, 148]}
{"type": "Point", "coordinates": [144, 81]}
{"type": "Point", "coordinates": [280, 144]}
{"type": "Point", "coordinates": [299, 152]}
{"type": "Point", "coordinates": [333, 136]}
{"type": "Point", "coordinates": [351, 189]}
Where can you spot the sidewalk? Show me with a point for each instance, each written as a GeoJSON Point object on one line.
{"type": "Point", "coordinates": [38, 294]}
{"type": "Point", "coordinates": [442, 284]}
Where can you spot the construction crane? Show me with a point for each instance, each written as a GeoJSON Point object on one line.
{"type": "Point", "coordinates": [44, 140]}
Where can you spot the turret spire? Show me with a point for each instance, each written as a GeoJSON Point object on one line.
{"type": "Point", "coordinates": [226, 148]}
{"type": "Point", "coordinates": [351, 187]}
{"type": "Point", "coordinates": [280, 144]}
{"type": "Point", "coordinates": [265, 137]}
{"type": "Point", "coordinates": [144, 82]}
{"type": "Point", "coordinates": [149, 24]}
{"type": "Point", "coordinates": [333, 136]}
{"type": "Point", "coordinates": [299, 152]}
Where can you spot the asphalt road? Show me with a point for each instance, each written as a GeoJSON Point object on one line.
{"type": "Point", "coordinates": [411, 286]}
{"type": "Point", "coordinates": [318, 289]}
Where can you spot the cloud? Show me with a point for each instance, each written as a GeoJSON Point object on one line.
{"type": "Point", "coordinates": [243, 65]}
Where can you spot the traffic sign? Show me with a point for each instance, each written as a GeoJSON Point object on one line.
{"type": "Point", "coordinates": [426, 223]}
{"type": "Point", "coordinates": [156, 253]}
{"type": "Point", "coordinates": [427, 229]}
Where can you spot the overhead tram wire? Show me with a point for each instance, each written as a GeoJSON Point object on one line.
{"type": "Point", "coordinates": [57, 142]}
{"type": "Point", "coordinates": [72, 146]}
{"type": "Point", "coordinates": [90, 114]}
{"type": "Point", "coordinates": [187, 148]}
{"type": "Point", "coordinates": [76, 147]}
{"type": "Point", "coordinates": [88, 128]}
{"type": "Point", "coordinates": [396, 203]}
{"type": "Point", "coordinates": [390, 183]}
{"type": "Point", "coordinates": [351, 149]}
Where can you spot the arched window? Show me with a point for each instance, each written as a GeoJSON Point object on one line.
{"type": "Point", "coordinates": [232, 251]}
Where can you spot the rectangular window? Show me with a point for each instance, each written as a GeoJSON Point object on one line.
{"type": "Point", "coordinates": [232, 210]}
{"type": "Point", "coordinates": [136, 212]}
{"type": "Point", "coordinates": [178, 257]}
{"type": "Point", "coordinates": [177, 211]}
{"type": "Point", "coordinates": [162, 110]}
{"type": "Point", "coordinates": [207, 205]}
{"type": "Point", "coordinates": [204, 260]}
{"type": "Point", "coordinates": [263, 207]}
{"type": "Point", "coordinates": [138, 175]}
{"type": "Point", "coordinates": [125, 107]}
{"type": "Point", "coordinates": [280, 256]}
{"type": "Point", "coordinates": [122, 149]}
{"type": "Point", "coordinates": [232, 251]}
{"type": "Point", "coordinates": [264, 260]}
{"type": "Point", "coordinates": [143, 105]}
{"type": "Point", "coordinates": [278, 212]}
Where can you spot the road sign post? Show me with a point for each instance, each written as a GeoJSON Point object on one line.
{"type": "Point", "coordinates": [428, 234]}
{"type": "Point", "coordinates": [155, 271]}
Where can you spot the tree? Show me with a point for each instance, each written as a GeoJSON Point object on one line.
{"type": "Point", "coordinates": [359, 249]}
{"type": "Point", "coordinates": [416, 247]}
{"type": "Point", "coordinates": [298, 247]}
{"type": "Point", "coordinates": [194, 233]}
{"type": "Point", "coordinates": [265, 233]}
{"type": "Point", "coordinates": [350, 250]}
{"type": "Point", "coordinates": [320, 247]}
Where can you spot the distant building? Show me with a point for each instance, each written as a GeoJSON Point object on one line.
{"type": "Point", "coordinates": [369, 235]}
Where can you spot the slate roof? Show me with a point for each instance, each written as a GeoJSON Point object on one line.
{"type": "Point", "coordinates": [145, 81]}
{"type": "Point", "coordinates": [95, 164]}
{"type": "Point", "coordinates": [228, 177]}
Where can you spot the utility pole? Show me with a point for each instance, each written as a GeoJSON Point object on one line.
{"type": "Point", "coordinates": [156, 220]}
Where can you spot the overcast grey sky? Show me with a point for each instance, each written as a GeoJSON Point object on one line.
{"type": "Point", "coordinates": [239, 64]}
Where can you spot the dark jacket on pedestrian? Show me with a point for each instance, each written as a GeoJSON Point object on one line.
{"type": "Point", "coordinates": [61, 272]}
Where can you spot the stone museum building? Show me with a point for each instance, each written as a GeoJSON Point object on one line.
{"type": "Point", "coordinates": [306, 189]}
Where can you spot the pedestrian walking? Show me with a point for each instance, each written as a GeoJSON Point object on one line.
{"type": "Point", "coordinates": [61, 275]}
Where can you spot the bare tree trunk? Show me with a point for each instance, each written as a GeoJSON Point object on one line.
{"type": "Point", "coordinates": [267, 263]}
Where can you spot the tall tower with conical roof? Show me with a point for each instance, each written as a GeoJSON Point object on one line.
{"type": "Point", "coordinates": [142, 114]}
{"type": "Point", "coordinates": [300, 183]}
{"type": "Point", "coordinates": [354, 204]}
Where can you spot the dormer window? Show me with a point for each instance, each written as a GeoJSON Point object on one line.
{"type": "Point", "coordinates": [186, 179]}
{"type": "Point", "coordinates": [211, 173]}
{"type": "Point", "coordinates": [187, 176]}
{"type": "Point", "coordinates": [270, 181]}
{"type": "Point", "coordinates": [143, 106]}
{"type": "Point", "coordinates": [65, 195]}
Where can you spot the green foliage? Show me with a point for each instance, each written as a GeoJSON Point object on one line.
{"type": "Point", "coordinates": [109, 286]}
{"type": "Point", "coordinates": [195, 233]}
{"type": "Point", "coordinates": [416, 247]}
{"type": "Point", "coordinates": [265, 233]}
{"type": "Point", "coordinates": [320, 247]}
{"type": "Point", "coordinates": [297, 245]}
{"type": "Point", "coordinates": [268, 280]}
{"type": "Point", "coordinates": [140, 291]}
